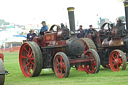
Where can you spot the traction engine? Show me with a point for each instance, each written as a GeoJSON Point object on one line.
{"type": "Point", "coordinates": [2, 70]}
{"type": "Point", "coordinates": [112, 44]}
{"type": "Point", "coordinates": [59, 50]}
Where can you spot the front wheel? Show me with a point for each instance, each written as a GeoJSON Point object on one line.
{"type": "Point", "coordinates": [94, 65]}
{"type": "Point", "coordinates": [117, 60]}
{"type": "Point", "coordinates": [61, 65]}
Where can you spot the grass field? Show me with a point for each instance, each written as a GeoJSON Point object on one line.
{"type": "Point", "coordinates": [104, 77]}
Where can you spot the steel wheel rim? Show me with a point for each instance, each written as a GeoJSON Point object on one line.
{"type": "Point", "coordinates": [82, 67]}
{"type": "Point", "coordinates": [90, 68]}
{"type": "Point", "coordinates": [115, 61]}
{"type": "Point", "coordinates": [26, 59]}
{"type": "Point", "coordinates": [60, 66]}
{"type": "Point", "coordinates": [86, 48]}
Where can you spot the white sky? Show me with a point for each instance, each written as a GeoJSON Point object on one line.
{"type": "Point", "coordinates": [55, 11]}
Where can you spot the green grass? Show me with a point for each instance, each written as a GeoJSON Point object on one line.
{"type": "Point", "coordinates": [104, 77]}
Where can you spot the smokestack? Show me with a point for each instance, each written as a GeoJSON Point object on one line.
{"type": "Point", "coordinates": [71, 18]}
{"type": "Point", "coordinates": [126, 12]}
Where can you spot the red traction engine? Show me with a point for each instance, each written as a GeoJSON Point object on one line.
{"type": "Point", "coordinates": [59, 51]}
{"type": "Point", "coordinates": [2, 70]}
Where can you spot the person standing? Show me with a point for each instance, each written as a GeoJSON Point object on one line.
{"type": "Point", "coordinates": [2, 47]}
{"type": "Point", "coordinates": [93, 34]}
{"type": "Point", "coordinates": [81, 34]}
{"type": "Point", "coordinates": [31, 35]}
{"type": "Point", "coordinates": [44, 28]}
{"type": "Point", "coordinates": [90, 31]}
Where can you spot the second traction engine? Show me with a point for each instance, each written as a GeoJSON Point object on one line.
{"type": "Point", "coordinates": [112, 43]}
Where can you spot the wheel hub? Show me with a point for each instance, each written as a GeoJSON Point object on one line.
{"type": "Point", "coordinates": [58, 66]}
{"type": "Point", "coordinates": [27, 59]}
{"type": "Point", "coordinates": [116, 61]}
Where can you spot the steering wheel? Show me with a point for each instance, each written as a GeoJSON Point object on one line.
{"type": "Point", "coordinates": [51, 29]}
{"type": "Point", "coordinates": [102, 27]}
{"type": "Point", "coordinates": [108, 31]}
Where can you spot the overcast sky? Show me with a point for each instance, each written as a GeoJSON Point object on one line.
{"type": "Point", "coordinates": [55, 11]}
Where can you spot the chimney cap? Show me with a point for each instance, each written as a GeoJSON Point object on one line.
{"type": "Point", "coordinates": [70, 8]}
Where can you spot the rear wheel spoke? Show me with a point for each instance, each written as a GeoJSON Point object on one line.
{"type": "Point", "coordinates": [61, 59]}
{"type": "Point", "coordinates": [29, 70]}
{"type": "Point", "coordinates": [120, 60]}
{"type": "Point", "coordinates": [117, 55]}
{"type": "Point", "coordinates": [113, 57]}
{"type": "Point", "coordinates": [32, 58]}
{"type": "Point", "coordinates": [26, 65]}
{"type": "Point", "coordinates": [61, 73]}
{"type": "Point", "coordinates": [24, 56]}
{"type": "Point", "coordinates": [25, 49]}
{"type": "Point", "coordinates": [29, 49]}
{"type": "Point", "coordinates": [30, 54]}
{"type": "Point", "coordinates": [57, 60]}
{"type": "Point", "coordinates": [32, 63]}
{"type": "Point", "coordinates": [93, 70]}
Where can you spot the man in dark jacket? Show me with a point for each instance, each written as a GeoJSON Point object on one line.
{"type": "Point", "coordinates": [81, 34]}
{"type": "Point", "coordinates": [90, 31]}
{"type": "Point", "coordinates": [93, 33]}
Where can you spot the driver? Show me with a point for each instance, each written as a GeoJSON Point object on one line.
{"type": "Point", "coordinates": [44, 28]}
{"type": "Point", "coordinates": [90, 31]}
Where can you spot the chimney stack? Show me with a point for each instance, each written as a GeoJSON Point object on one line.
{"type": "Point", "coordinates": [71, 19]}
{"type": "Point", "coordinates": [126, 12]}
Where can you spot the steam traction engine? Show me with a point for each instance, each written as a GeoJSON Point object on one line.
{"type": "Point", "coordinates": [112, 44]}
{"type": "Point", "coordinates": [2, 70]}
{"type": "Point", "coordinates": [59, 51]}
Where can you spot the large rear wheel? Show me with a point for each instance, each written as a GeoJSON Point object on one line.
{"type": "Point", "coordinates": [61, 65]}
{"type": "Point", "coordinates": [30, 59]}
{"type": "Point", "coordinates": [89, 44]}
{"type": "Point", "coordinates": [117, 60]}
{"type": "Point", "coordinates": [2, 72]}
